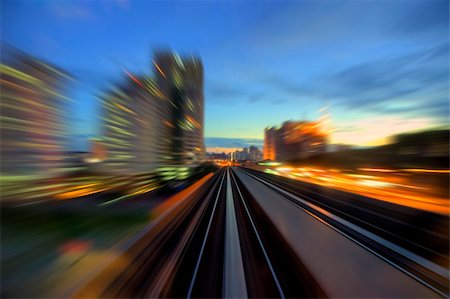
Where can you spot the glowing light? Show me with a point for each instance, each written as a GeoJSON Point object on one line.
{"type": "Point", "coordinates": [167, 204]}
{"type": "Point", "coordinates": [92, 160]}
{"type": "Point", "coordinates": [168, 123]}
{"type": "Point", "coordinates": [372, 183]}
{"type": "Point", "coordinates": [385, 184]}
{"type": "Point", "coordinates": [269, 163]}
{"type": "Point", "coordinates": [428, 170]}
{"type": "Point", "coordinates": [134, 79]}
{"type": "Point", "coordinates": [270, 171]}
{"type": "Point", "coordinates": [377, 169]}
{"type": "Point", "coordinates": [284, 169]}
{"type": "Point", "coordinates": [159, 69]}
{"type": "Point", "coordinates": [121, 107]}
{"type": "Point", "coordinates": [75, 246]}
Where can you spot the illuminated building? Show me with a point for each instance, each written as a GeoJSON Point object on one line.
{"type": "Point", "coordinates": [294, 140]}
{"type": "Point", "coordinates": [270, 142]}
{"type": "Point", "coordinates": [157, 123]}
{"type": "Point", "coordinates": [233, 156]}
{"type": "Point", "coordinates": [33, 138]}
{"type": "Point", "coordinates": [133, 128]}
{"type": "Point", "coordinates": [181, 82]}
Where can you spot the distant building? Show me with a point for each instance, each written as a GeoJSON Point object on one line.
{"type": "Point", "coordinates": [33, 109]}
{"type": "Point", "coordinates": [270, 143]}
{"type": "Point", "coordinates": [217, 156]}
{"type": "Point", "coordinates": [427, 144]}
{"type": "Point", "coordinates": [339, 147]}
{"type": "Point", "coordinates": [251, 154]}
{"type": "Point", "coordinates": [255, 154]}
{"type": "Point", "coordinates": [294, 140]}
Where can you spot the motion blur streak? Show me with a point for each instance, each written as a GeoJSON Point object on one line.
{"type": "Point", "coordinates": [65, 211]}
{"type": "Point", "coordinates": [396, 189]}
{"type": "Point", "coordinates": [160, 216]}
{"type": "Point", "coordinates": [266, 220]}
{"type": "Point", "coordinates": [171, 201]}
{"type": "Point", "coordinates": [211, 149]}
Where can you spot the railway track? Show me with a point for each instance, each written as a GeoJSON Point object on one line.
{"type": "Point", "coordinates": [224, 243]}
{"type": "Point", "coordinates": [222, 246]}
{"type": "Point", "coordinates": [395, 252]}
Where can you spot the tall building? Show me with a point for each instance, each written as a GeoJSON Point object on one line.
{"type": "Point", "coordinates": [270, 143]}
{"type": "Point", "coordinates": [133, 126]}
{"type": "Point", "coordinates": [181, 82]}
{"type": "Point", "coordinates": [294, 140]}
{"type": "Point", "coordinates": [32, 136]}
{"type": "Point", "coordinates": [157, 122]}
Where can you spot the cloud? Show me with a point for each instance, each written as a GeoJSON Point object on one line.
{"type": "Point", "coordinates": [222, 149]}
{"type": "Point", "coordinates": [224, 90]}
{"type": "Point", "coordinates": [279, 102]}
{"type": "Point", "coordinates": [358, 24]}
{"type": "Point", "coordinates": [225, 93]}
{"type": "Point", "coordinates": [255, 98]}
{"type": "Point", "coordinates": [284, 85]}
{"type": "Point", "coordinates": [377, 130]}
{"type": "Point", "coordinates": [420, 78]}
{"type": "Point", "coordinates": [438, 108]}
{"type": "Point", "coordinates": [425, 16]}
{"type": "Point", "coordinates": [218, 142]}
{"type": "Point", "coordinates": [124, 4]}
{"type": "Point", "coordinates": [71, 10]}
{"type": "Point", "coordinates": [414, 83]}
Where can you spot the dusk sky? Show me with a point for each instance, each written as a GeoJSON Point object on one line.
{"type": "Point", "coordinates": [381, 67]}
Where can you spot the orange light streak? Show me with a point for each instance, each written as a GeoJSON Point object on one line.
{"type": "Point", "coordinates": [134, 78]}
{"type": "Point", "coordinates": [159, 69]}
{"type": "Point", "coordinates": [179, 196]}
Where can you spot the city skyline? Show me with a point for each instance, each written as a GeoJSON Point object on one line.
{"type": "Point", "coordinates": [380, 71]}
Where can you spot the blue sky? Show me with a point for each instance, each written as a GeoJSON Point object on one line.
{"type": "Point", "coordinates": [381, 67]}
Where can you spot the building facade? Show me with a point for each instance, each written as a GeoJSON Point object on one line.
{"type": "Point", "coordinates": [294, 140]}
{"type": "Point", "coordinates": [133, 127]}
{"type": "Point", "coordinates": [33, 111]}
{"type": "Point", "coordinates": [156, 122]}
{"type": "Point", "coordinates": [255, 154]}
{"type": "Point", "coordinates": [181, 82]}
{"type": "Point", "coordinates": [270, 143]}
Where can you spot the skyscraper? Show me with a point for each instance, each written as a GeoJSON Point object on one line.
{"type": "Point", "coordinates": [133, 127]}
{"type": "Point", "coordinates": [33, 138]}
{"type": "Point", "coordinates": [181, 82]}
{"type": "Point", "coordinates": [270, 143]}
{"type": "Point", "coordinates": [150, 122]}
